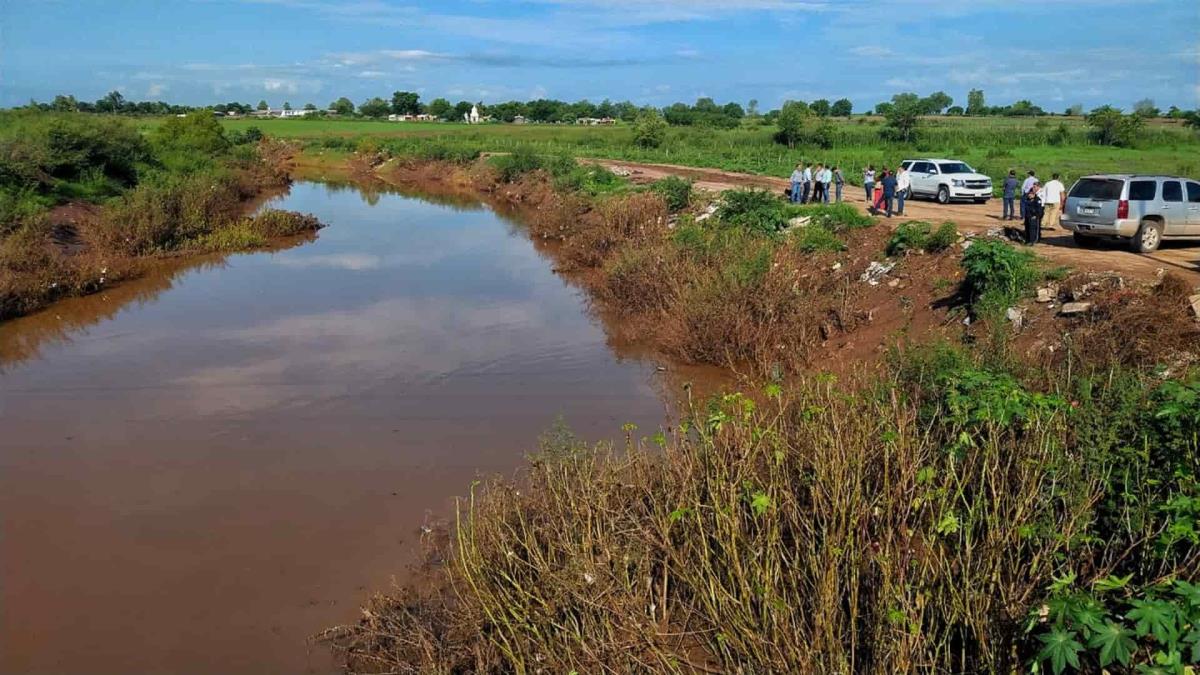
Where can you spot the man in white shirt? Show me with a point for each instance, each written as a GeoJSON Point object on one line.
{"type": "Point", "coordinates": [903, 183]}
{"type": "Point", "coordinates": [807, 177]}
{"type": "Point", "coordinates": [827, 178]}
{"type": "Point", "coordinates": [1053, 196]}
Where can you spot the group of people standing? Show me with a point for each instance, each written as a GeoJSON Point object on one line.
{"type": "Point", "coordinates": [1041, 205]}
{"type": "Point", "coordinates": [812, 184]}
{"type": "Point", "coordinates": [885, 189]}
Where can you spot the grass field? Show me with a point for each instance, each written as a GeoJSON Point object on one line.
{"type": "Point", "coordinates": [991, 145]}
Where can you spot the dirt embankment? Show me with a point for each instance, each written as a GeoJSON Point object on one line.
{"type": "Point", "coordinates": [830, 310]}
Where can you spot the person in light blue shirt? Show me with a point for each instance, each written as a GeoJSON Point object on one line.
{"type": "Point", "coordinates": [807, 185]}
{"type": "Point", "coordinates": [826, 179]}
{"type": "Point", "coordinates": [797, 182]}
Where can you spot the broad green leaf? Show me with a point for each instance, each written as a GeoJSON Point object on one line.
{"type": "Point", "coordinates": [1061, 649]}
{"type": "Point", "coordinates": [1155, 618]}
{"type": "Point", "coordinates": [1189, 592]}
{"type": "Point", "coordinates": [1115, 643]}
{"type": "Point", "coordinates": [760, 503]}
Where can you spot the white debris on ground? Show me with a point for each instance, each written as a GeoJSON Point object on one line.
{"type": "Point", "coordinates": [1016, 316]}
{"type": "Point", "coordinates": [875, 272]}
{"type": "Point", "coordinates": [1194, 301]}
{"type": "Point", "coordinates": [709, 212]}
{"type": "Point", "coordinates": [799, 221]}
{"type": "Point", "coordinates": [1074, 308]}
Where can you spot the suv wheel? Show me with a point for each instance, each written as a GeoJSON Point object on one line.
{"type": "Point", "coordinates": [943, 195]}
{"type": "Point", "coordinates": [1148, 237]}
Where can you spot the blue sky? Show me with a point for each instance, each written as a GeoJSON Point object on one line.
{"type": "Point", "coordinates": [1054, 52]}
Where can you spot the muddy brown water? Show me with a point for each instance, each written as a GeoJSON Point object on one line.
{"type": "Point", "coordinates": [201, 469]}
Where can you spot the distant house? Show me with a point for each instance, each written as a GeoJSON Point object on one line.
{"type": "Point", "coordinates": [519, 119]}
{"type": "Point", "coordinates": [279, 112]}
{"type": "Point", "coordinates": [596, 121]}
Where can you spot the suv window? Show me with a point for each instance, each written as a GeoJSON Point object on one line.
{"type": "Point", "coordinates": [1142, 190]}
{"type": "Point", "coordinates": [1193, 192]}
{"type": "Point", "coordinates": [1172, 191]}
{"type": "Point", "coordinates": [1097, 188]}
{"type": "Point", "coordinates": [923, 167]}
{"type": "Point", "coordinates": [955, 167]}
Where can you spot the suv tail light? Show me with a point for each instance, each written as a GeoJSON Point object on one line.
{"type": "Point", "coordinates": [1123, 208]}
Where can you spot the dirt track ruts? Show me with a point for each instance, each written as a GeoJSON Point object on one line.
{"type": "Point", "coordinates": [1183, 258]}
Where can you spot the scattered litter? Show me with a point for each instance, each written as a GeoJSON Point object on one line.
{"type": "Point", "coordinates": [661, 369]}
{"type": "Point", "coordinates": [621, 171]}
{"type": "Point", "coordinates": [967, 244]}
{"type": "Point", "coordinates": [893, 283]}
{"type": "Point", "coordinates": [1194, 301]}
{"type": "Point", "coordinates": [1073, 308]}
{"type": "Point", "coordinates": [800, 221]}
{"type": "Point", "coordinates": [1015, 315]}
{"type": "Point", "coordinates": [966, 321]}
{"type": "Point", "coordinates": [1045, 294]}
{"type": "Point", "coordinates": [708, 213]}
{"type": "Point", "coordinates": [836, 266]}
{"type": "Point", "coordinates": [875, 272]}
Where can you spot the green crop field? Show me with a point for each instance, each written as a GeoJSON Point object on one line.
{"type": "Point", "coordinates": [991, 144]}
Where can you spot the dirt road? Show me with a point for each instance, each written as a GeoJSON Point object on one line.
{"type": "Point", "coordinates": [1182, 258]}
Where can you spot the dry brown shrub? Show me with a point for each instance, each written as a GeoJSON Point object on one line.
{"type": "Point", "coordinates": [628, 220]}
{"type": "Point", "coordinates": [1132, 327]}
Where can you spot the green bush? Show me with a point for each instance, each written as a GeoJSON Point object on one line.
{"type": "Point", "coordinates": [814, 238]}
{"type": "Point", "coordinates": [917, 235]}
{"type": "Point", "coordinates": [649, 130]}
{"type": "Point", "coordinates": [675, 190]}
{"type": "Point", "coordinates": [755, 211]}
{"type": "Point", "coordinates": [519, 162]}
{"type": "Point", "coordinates": [834, 217]}
{"type": "Point", "coordinates": [997, 275]}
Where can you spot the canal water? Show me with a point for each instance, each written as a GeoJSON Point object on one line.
{"type": "Point", "coordinates": [201, 469]}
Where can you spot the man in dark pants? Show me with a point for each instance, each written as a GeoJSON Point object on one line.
{"type": "Point", "coordinates": [1010, 196]}
{"type": "Point", "coordinates": [889, 191]}
{"type": "Point", "coordinates": [1031, 206]}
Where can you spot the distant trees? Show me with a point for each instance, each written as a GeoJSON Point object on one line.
{"type": "Point", "coordinates": [841, 108]}
{"type": "Point", "coordinates": [903, 118]}
{"type": "Point", "coordinates": [1146, 108]}
{"type": "Point", "coordinates": [704, 113]}
{"type": "Point", "coordinates": [262, 105]}
{"type": "Point", "coordinates": [955, 110]}
{"type": "Point", "coordinates": [406, 103]}
{"type": "Point", "coordinates": [111, 103]}
{"type": "Point", "coordinates": [792, 120]}
{"type": "Point", "coordinates": [342, 106]}
{"type": "Point", "coordinates": [752, 108]}
{"type": "Point", "coordinates": [935, 103]}
{"type": "Point", "coordinates": [1076, 110]}
{"type": "Point", "coordinates": [287, 105]}
{"type": "Point", "coordinates": [310, 106]}
{"type": "Point", "coordinates": [649, 129]}
{"type": "Point", "coordinates": [975, 103]}
{"type": "Point", "coordinates": [820, 107]}
{"type": "Point", "coordinates": [439, 107]}
{"type": "Point", "coordinates": [1111, 127]}
{"type": "Point", "coordinates": [374, 107]}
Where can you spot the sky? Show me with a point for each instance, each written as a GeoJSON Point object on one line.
{"type": "Point", "coordinates": [1054, 52]}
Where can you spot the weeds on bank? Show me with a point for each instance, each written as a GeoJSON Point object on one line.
{"type": "Point", "coordinates": [946, 518]}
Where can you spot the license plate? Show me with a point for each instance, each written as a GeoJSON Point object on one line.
{"type": "Point", "coordinates": [1088, 210]}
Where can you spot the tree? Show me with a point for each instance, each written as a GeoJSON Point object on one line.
{"type": "Point", "coordinates": [342, 106]}
{"type": "Point", "coordinates": [262, 105]}
{"type": "Point", "coordinates": [955, 110]}
{"type": "Point", "coordinates": [439, 107]}
{"type": "Point", "coordinates": [820, 107]}
{"type": "Point", "coordinates": [792, 120]}
{"type": "Point", "coordinates": [199, 132]}
{"type": "Point", "coordinates": [1146, 108]}
{"type": "Point", "coordinates": [1110, 127]}
{"type": "Point", "coordinates": [373, 107]}
{"type": "Point", "coordinates": [1076, 110]}
{"type": "Point", "coordinates": [406, 103]}
{"type": "Point", "coordinates": [287, 105]}
{"type": "Point", "coordinates": [903, 118]}
{"type": "Point", "coordinates": [936, 102]}
{"type": "Point", "coordinates": [650, 129]}
{"type": "Point", "coordinates": [461, 110]}
{"type": "Point", "coordinates": [883, 108]}
{"type": "Point", "coordinates": [309, 106]}
{"type": "Point", "coordinates": [975, 103]}
{"type": "Point", "coordinates": [841, 108]}
{"type": "Point", "coordinates": [65, 103]}
{"type": "Point", "coordinates": [733, 111]}
{"type": "Point", "coordinates": [752, 107]}
{"type": "Point", "coordinates": [112, 102]}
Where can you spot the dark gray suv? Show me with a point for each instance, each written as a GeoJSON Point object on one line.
{"type": "Point", "coordinates": [1143, 209]}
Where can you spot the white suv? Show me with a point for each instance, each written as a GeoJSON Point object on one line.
{"type": "Point", "coordinates": [946, 180]}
